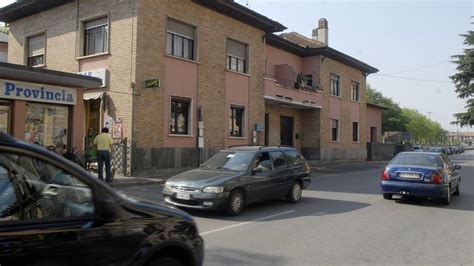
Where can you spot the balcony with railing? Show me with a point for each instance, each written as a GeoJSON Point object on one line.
{"type": "Point", "coordinates": [300, 94]}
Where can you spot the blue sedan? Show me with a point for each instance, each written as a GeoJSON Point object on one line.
{"type": "Point", "coordinates": [421, 174]}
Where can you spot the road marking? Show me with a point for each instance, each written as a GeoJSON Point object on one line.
{"type": "Point", "coordinates": [245, 223]}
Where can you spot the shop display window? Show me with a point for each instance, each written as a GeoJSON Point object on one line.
{"type": "Point", "coordinates": [5, 116]}
{"type": "Point", "coordinates": [47, 125]}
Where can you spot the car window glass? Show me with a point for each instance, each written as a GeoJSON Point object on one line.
{"type": "Point", "coordinates": [447, 163]}
{"type": "Point", "coordinates": [236, 161]}
{"type": "Point", "coordinates": [32, 189]}
{"type": "Point", "coordinates": [263, 162]}
{"type": "Point", "coordinates": [417, 159]}
{"type": "Point", "coordinates": [278, 159]}
{"type": "Point", "coordinates": [294, 158]}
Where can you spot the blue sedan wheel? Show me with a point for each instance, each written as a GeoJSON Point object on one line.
{"type": "Point", "coordinates": [447, 199]}
{"type": "Point", "coordinates": [457, 192]}
{"type": "Point", "coordinates": [387, 196]}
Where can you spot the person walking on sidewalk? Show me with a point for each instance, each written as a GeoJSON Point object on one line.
{"type": "Point", "coordinates": [103, 143]}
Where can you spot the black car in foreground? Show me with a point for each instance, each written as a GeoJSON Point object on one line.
{"type": "Point", "coordinates": [52, 212]}
{"type": "Point", "coordinates": [238, 176]}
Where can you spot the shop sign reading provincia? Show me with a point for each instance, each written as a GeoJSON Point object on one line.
{"type": "Point", "coordinates": [37, 92]}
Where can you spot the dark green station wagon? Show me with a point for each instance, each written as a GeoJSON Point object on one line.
{"type": "Point", "coordinates": [238, 176]}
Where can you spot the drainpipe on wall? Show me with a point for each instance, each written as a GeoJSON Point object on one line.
{"type": "Point", "coordinates": [200, 134]}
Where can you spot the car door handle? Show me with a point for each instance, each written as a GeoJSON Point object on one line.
{"type": "Point", "coordinates": [50, 190]}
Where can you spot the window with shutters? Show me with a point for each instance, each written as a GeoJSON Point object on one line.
{"type": "Point", "coordinates": [36, 50]}
{"type": "Point", "coordinates": [355, 91]}
{"type": "Point", "coordinates": [335, 86]}
{"type": "Point", "coordinates": [96, 34]}
{"type": "Point", "coordinates": [355, 131]}
{"type": "Point", "coordinates": [237, 56]}
{"type": "Point", "coordinates": [180, 39]}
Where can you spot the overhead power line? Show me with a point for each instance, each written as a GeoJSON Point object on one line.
{"type": "Point", "coordinates": [414, 79]}
{"type": "Point", "coordinates": [420, 67]}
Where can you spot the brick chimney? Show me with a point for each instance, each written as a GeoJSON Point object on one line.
{"type": "Point", "coordinates": [321, 32]}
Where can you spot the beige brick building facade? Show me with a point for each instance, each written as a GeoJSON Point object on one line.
{"type": "Point", "coordinates": [136, 50]}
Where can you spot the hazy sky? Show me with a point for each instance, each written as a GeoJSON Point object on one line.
{"type": "Point", "coordinates": [412, 39]}
{"type": "Point", "coordinates": [409, 39]}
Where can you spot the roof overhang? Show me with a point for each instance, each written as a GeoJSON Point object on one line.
{"type": "Point", "coordinates": [25, 8]}
{"type": "Point", "coordinates": [290, 104]}
{"type": "Point", "coordinates": [46, 76]}
{"type": "Point", "coordinates": [243, 14]}
{"type": "Point", "coordinates": [377, 106]}
{"type": "Point", "coordinates": [284, 44]}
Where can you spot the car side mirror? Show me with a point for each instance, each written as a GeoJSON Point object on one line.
{"type": "Point", "coordinates": [457, 167]}
{"type": "Point", "coordinates": [107, 209]}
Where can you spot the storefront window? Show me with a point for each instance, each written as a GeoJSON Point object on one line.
{"type": "Point", "coordinates": [179, 119]}
{"type": "Point", "coordinates": [47, 125]}
{"type": "Point", "coordinates": [5, 114]}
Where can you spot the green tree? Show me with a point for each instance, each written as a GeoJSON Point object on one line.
{"type": "Point", "coordinates": [392, 119]}
{"type": "Point", "coordinates": [464, 80]}
{"type": "Point", "coordinates": [422, 129]}
{"type": "Point", "coordinates": [4, 28]}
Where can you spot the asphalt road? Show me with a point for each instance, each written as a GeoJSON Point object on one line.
{"type": "Point", "coordinates": [342, 219]}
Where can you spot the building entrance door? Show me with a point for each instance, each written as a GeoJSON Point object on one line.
{"type": "Point", "coordinates": [286, 131]}
{"type": "Point", "coordinates": [373, 134]}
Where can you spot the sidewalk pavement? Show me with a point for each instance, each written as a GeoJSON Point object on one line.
{"type": "Point", "coordinates": [125, 181]}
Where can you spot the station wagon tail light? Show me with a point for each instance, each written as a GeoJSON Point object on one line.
{"type": "Point", "coordinates": [436, 178]}
{"type": "Point", "coordinates": [385, 175]}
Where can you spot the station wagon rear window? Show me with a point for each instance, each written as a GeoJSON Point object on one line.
{"type": "Point", "coordinates": [418, 159]}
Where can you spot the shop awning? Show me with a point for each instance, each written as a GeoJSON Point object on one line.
{"type": "Point", "coordinates": [93, 95]}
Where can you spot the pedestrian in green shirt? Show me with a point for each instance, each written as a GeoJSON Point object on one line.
{"type": "Point", "coordinates": [103, 143]}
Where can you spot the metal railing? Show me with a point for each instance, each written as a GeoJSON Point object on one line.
{"type": "Point", "coordinates": [293, 85]}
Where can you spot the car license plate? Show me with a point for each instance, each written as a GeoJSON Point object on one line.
{"type": "Point", "coordinates": [409, 175]}
{"type": "Point", "coordinates": [183, 196]}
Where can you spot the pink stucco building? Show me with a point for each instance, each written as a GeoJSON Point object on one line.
{"type": "Point", "coordinates": [179, 87]}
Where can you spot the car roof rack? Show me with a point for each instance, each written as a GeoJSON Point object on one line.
{"type": "Point", "coordinates": [243, 145]}
{"type": "Point", "coordinates": [276, 146]}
